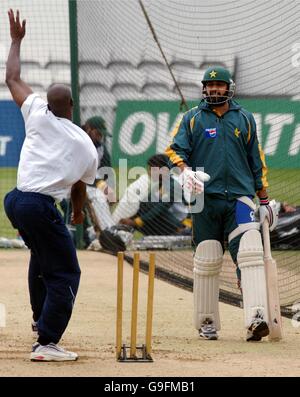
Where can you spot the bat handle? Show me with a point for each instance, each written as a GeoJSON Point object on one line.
{"type": "Point", "coordinates": [266, 237]}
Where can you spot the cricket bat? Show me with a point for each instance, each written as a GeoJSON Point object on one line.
{"type": "Point", "coordinates": [275, 323]}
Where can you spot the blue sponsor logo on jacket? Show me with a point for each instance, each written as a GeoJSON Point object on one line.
{"type": "Point", "coordinates": [210, 132]}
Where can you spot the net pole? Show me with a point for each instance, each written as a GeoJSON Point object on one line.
{"type": "Point", "coordinates": [75, 88]}
{"type": "Point", "coordinates": [74, 59]}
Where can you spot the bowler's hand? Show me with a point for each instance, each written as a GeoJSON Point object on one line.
{"type": "Point", "coordinates": [17, 30]}
{"type": "Point", "coordinates": [77, 218]}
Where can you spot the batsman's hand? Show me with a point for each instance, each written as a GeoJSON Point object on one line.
{"type": "Point", "coordinates": [77, 218]}
{"type": "Point", "coordinates": [270, 212]}
{"type": "Point", "coordinates": [17, 30]}
{"type": "Point", "coordinates": [193, 181]}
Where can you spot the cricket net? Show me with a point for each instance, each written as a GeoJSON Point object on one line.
{"type": "Point", "coordinates": [125, 79]}
{"type": "Point", "coordinates": [174, 264]}
{"type": "Point", "coordinates": [121, 75]}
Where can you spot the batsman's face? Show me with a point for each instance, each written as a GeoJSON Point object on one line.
{"type": "Point", "coordinates": [216, 88]}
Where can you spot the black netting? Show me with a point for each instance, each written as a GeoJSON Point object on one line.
{"type": "Point", "coordinates": [123, 78]}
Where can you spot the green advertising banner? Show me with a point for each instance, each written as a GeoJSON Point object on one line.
{"type": "Point", "coordinates": [143, 128]}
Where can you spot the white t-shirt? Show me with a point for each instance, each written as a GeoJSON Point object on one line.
{"type": "Point", "coordinates": [55, 153]}
{"type": "Point", "coordinates": [133, 196]}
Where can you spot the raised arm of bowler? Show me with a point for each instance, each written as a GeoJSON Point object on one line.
{"type": "Point", "coordinates": [56, 157]}
{"type": "Point", "coordinates": [220, 136]}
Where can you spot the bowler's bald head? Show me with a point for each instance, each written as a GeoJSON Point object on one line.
{"type": "Point", "coordinates": [60, 100]}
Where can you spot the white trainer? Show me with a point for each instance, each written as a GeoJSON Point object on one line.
{"type": "Point", "coordinates": [51, 352]}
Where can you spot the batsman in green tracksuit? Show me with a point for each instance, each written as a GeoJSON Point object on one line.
{"type": "Point", "coordinates": [225, 145]}
{"type": "Point", "coordinates": [219, 136]}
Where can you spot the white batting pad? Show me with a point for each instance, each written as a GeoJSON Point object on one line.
{"type": "Point", "coordinates": [100, 206]}
{"type": "Point", "coordinates": [207, 266]}
{"type": "Point", "coordinates": [130, 202]}
{"type": "Point", "coordinates": [251, 263]}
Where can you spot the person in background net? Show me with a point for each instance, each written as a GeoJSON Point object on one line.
{"type": "Point", "coordinates": [220, 137]}
{"type": "Point", "coordinates": [157, 213]}
{"type": "Point", "coordinates": [96, 129]}
{"type": "Point", "coordinates": [148, 205]}
{"type": "Point", "coordinates": [102, 190]}
{"type": "Point", "coordinates": [56, 157]}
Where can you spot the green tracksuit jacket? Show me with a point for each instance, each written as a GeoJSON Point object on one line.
{"type": "Point", "coordinates": [226, 147]}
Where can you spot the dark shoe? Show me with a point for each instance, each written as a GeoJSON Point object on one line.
{"type": "Point", "coordinates": [257, 329]}
{"type": "Point", "coordinates": [208, 331]}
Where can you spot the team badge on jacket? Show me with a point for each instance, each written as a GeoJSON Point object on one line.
{"type": "Point", "coordinates": [237, 132]}
{"type": "Point", "coordinates": [210, 132]}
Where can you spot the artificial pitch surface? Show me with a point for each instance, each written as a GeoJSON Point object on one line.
{"type": "Point", "coordinates": [177, 350]}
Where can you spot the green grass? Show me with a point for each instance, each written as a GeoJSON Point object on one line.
{"type": "Point", "coordinates": [8, 178]}
{"type": "Point", "coordinates": [284, 186]}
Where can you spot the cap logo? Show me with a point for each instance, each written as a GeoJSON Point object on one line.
{"type": "Point", "coordinates": [213, 74]}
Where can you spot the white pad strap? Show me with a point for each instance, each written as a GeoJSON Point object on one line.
{"type": "Point", "coordinates": [244, 227]}
{"type": "Point", "coordinates": [246, 200]}
{"type": "Point", "coordinates": [207, 266]}
{"type": "Point", "coordinates": [251, 264]}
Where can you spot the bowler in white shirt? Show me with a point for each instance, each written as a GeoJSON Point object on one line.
{"type": "Point", "coordinates": [56, 157]}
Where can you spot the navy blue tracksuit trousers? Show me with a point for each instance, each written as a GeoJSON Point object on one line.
{"type": "Point", "coordinates": [54, 271]}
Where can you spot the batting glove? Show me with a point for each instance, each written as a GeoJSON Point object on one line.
{"type": "Point", "coordinates": [268, 210]}
{"type": "Point", "coordinates": [192, 182]}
